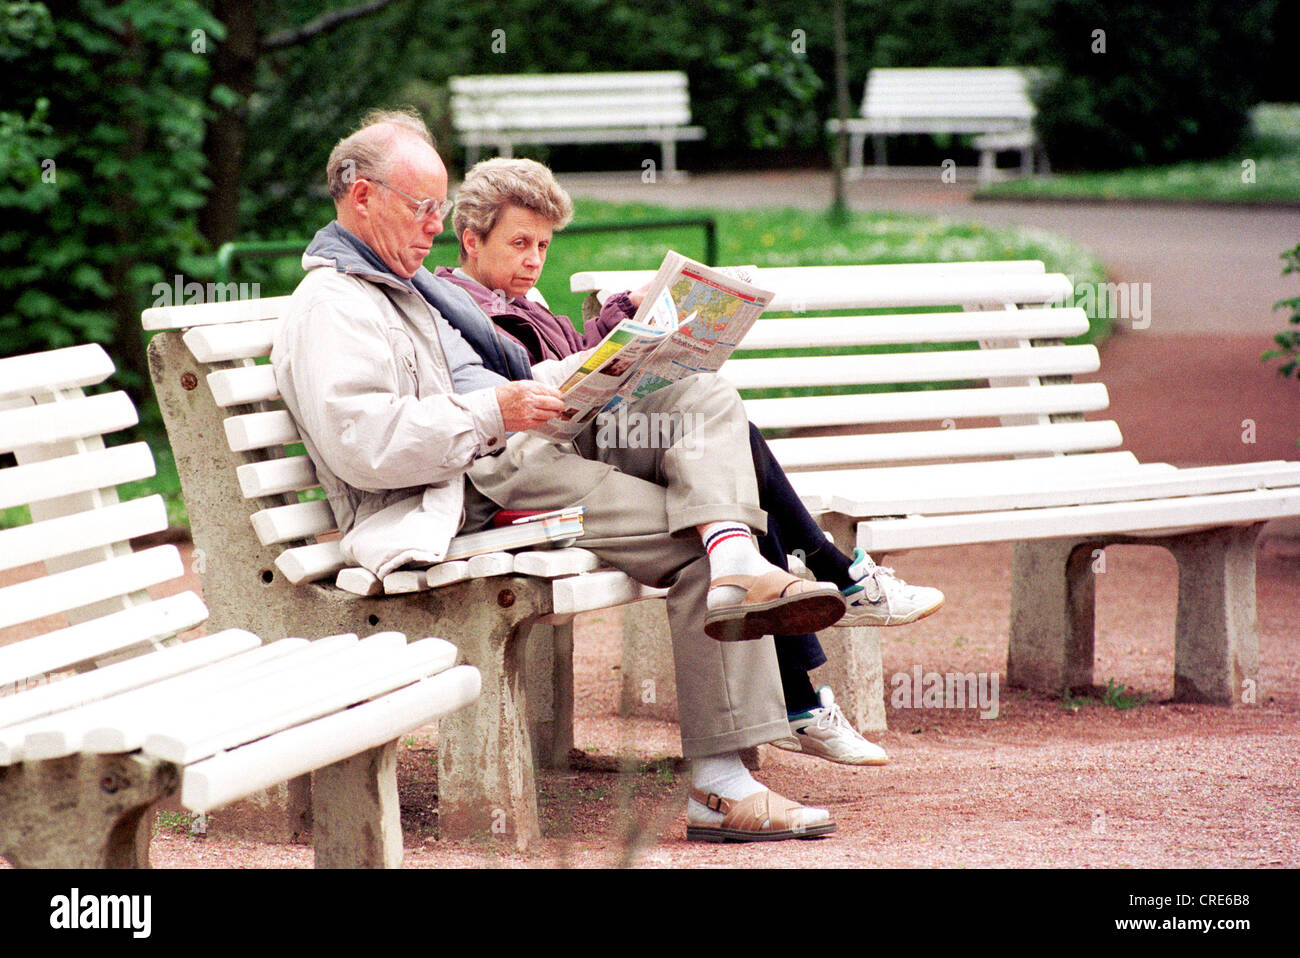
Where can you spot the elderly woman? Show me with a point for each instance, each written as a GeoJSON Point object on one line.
{"type": "Point", "coordinates": [506, 213]}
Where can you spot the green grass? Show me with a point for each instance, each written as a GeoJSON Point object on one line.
{"type": "Point", "coordinates": [1266, 169]}
{"type": "Point", "coordinates": [773, 237]}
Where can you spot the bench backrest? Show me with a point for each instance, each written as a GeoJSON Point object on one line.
{"type": "Point", "coordinates": [942, 99]}
{"type": "Point", "coordinates": [986, 379]}
{"type": "Point", "coordinates": [227, 344]}
{"type": "Point", "coordinates": [77, 594]}
{"type": "Point", "coordinates": [569, 101]}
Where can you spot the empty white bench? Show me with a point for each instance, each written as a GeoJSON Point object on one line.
{"type": "Point", "coordinates": [105, 712]}
{"type": "Point", "coordinates": [507, 111]}
{"type": "Point", "coordinates": [992, 102]}
{"type": "Point", "coordinates": [271, 563]}
{"type": "Point", "coordinates": [1000, 450]}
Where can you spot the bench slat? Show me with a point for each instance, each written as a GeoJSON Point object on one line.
{"type": "Point", "coordinates": [950, 365]}
{"type": "Point", "coordinates": [552, 564]}
{"type": "Point", "coordinates": [206, 314]}
{"type": "Point", "coordinates": [61, 421]}
{"type": "Point", "coordinates": [795, 277]}
{"type": "Point", "coordinates": [598, 590]}
{"type": "Point", "coordinates": [302, 520]}
{"type": "Point", "coordinates": [889, 290]}
{"type": "Point", "coordinates": [120, 677]}
{"type": "Point", "coordinates": [231, 340]}
{"type": "Point", "coordinates": [801, 332]}
{"type": "Point", "coordinates": [68, 475]}
{"type": "Point", "coordinates": [928, 444]}
{"type": "Point", "coordinates": [359, 581]}
{"type": "Point", "coordinates": [274, 477]}
{"type": "Point", "coordinates": [1030, 492]}
{"type": "Point", "coordinates": [119, 522]}
{"type": "Point", "coordinates": [1148, 516]}
{"type": "Point", "coordinates": [73, 367]}
{"type": "Point", "coordinates": [234, 774]}
{"type": "Point", "coordinates": [63, 648]}
{"type": "Point", "coordinates": [75, 588]}
{"type": "Point", "coordinates": [310, 695]}
{"type": "Point", "coordinates": [245, 384]}
{"type": "Point", "coordinates": [64, 733]}
{"type": "Point", "coordinates": [259, 430]}
{"type": "Point", "coordinates": [922, 405]}
{"type": "Point", "coordinates": [309, 563]}
{"type": "Point", "coordinates": [1047, 468]}
{"type": "Point", "coordinates": [491, 563]}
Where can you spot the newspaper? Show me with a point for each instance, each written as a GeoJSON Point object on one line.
{"type": "Point", "coordinates": [691, 319]}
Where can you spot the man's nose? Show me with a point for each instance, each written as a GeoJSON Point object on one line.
{"type": "Point", "coordinates": [432, 224]}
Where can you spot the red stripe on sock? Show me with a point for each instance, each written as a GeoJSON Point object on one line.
{"type": "Point", "coordinates": [724, 537]}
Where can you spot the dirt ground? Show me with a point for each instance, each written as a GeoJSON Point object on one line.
{"type": "Point", "coordinates": [1122, 780]}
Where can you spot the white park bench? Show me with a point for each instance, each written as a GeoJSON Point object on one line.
{"type": "Point", "coordinates": [272, 565]}
{"type": "Point", "coordinates": [104, 711]}
{"type": "Point", "coordinates": [999, 451]}
{"type": "Point", "coordinates": [991, 102]}
{"type": "Point", "coordinates": [507, 111]}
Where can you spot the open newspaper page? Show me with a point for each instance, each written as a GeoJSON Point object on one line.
{"type": "Point", "coordinates": [691, 319]}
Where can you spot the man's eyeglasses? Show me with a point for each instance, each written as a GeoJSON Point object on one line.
{"type": "Point", "coordinates": [423, 208]}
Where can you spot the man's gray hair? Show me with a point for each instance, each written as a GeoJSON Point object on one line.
{"type": "Point", "coordinates": [493, 184]}
{"type": "Point", "coordinates": [368, 152]}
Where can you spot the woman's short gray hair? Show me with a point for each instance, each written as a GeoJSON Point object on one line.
{"type": "Point", "coordinates": [493, 184]}
{"type": "Point", "coordinates": [368, 152]}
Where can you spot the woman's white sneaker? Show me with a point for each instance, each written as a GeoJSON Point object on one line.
{"type": "Point", "coordinates": [826, 733]}
{"type": "Point", "coordinates": [878, 598]}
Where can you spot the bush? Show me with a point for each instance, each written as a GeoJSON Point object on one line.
{"type": "Point", "coordinates": [1136, 85]}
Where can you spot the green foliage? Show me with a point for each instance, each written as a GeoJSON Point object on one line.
{"type": "Point", "coordinates": [1172, 82]}
{"type": "Point", "coordinates": [1118, 696]}
{"type": "Point", "coordinates": [101, 169]}
{"type": "Point", "coordinates": [1288, 340]}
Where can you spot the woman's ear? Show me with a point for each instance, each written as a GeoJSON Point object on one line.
{"type": "Point", "coordinates": [471, 241]}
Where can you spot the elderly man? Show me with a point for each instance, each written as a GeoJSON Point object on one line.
{"type": "Point", "coordinates": [416, 436]}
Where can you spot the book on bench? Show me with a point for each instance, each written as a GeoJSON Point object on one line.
{"type": "Point", "coordinates": [556, 530]}
{"type": "Point", "coordinates": [691, 319]}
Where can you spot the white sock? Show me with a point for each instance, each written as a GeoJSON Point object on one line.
{"type": "Point", "coordinates": [723, 775]}
{"type": "Point", "coordinates": [732, 551]}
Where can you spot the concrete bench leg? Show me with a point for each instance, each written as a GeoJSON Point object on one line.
{"type": "Point", "coordinates": [649, 683]}
{"type": "Point", "coordinates": [356, 820]}
{"type": "Point", "coordinates": [485, 760]}
{"type": "Point", "coordinates": [1216, 646]}
{"type": "Point", "coordinates": [550, 693]}
{"type": "Point", "coordinates": [1053, 598]}
{"type": "Point", "coordinates": [855, 672]}
{"type": "Point", "coordinates": [1216, 643]}
{"type": "Point", "coordinates": [83, 811]}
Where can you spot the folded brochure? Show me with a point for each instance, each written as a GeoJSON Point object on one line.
{"type": "Point", "coordinates": [558, 528]}
{"type": "Point", "coordinates": [691, 319]}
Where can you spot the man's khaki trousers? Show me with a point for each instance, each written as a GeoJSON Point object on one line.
{"type": "Point", "coordinates": [645, 488]}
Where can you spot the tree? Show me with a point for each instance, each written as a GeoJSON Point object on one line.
{"type": "Point", "coordinates": [102, 176]}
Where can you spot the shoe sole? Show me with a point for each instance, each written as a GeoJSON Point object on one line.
{"type": "Point", "coordinates": [914, 617]}
{"type": "Point", "coordinates": [715, 833]}
{"type": "Point", "coordinates": [789, 747]}
{"type": "Point", "coordinates": [796, 615]}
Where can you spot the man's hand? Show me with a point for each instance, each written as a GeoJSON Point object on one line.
{"type": "Point", "coordinates": [527, 404]}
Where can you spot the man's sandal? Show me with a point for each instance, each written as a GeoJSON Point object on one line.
{"type": "Point", "coordinates": [776, 603]}
{"type": "Point", "coordinates": [763, 817]}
